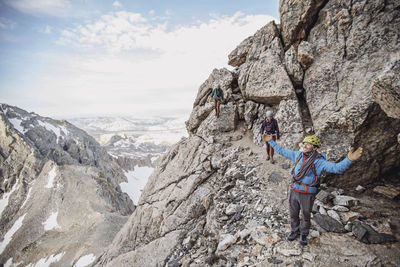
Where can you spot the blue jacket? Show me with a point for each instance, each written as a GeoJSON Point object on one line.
{"type": "Point", "coordinates": [320, 163]}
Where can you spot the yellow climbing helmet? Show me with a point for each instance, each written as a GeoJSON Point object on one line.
{"type": "Point", "coordinates": [312, 140]}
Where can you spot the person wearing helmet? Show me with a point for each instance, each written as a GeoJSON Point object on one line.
{"type": "Point", "coordinates": [309, 165]}
{"type": "Point", "coordinates": [218, 95]}
{"type": "Point", "coordinates": [270, 126]}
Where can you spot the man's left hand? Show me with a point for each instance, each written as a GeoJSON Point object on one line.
{"type": "Point", "coordinates": [355, 155]}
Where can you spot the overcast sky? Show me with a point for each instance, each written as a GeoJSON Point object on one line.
{"type": "Point", "coordinates": [67, 58]}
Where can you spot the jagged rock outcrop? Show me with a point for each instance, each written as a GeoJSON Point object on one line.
{"type": "Point", "coordinates": [346, 63]}
{"type": "Point", "coordinates": [386, 90]}
{"type": "Point", "coordinates": [60, 195]}
{"type": "Point", "coordinates": [216, 200]}
{"type": "Point", "coordinates": [297, 17]}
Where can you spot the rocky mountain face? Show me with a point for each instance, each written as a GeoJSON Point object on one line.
{"type": "Point", "coordinates": [60, 197]}
{"type": "Point", "coordinates": [328, 69]}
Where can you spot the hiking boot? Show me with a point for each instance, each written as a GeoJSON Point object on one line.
{"type": "Point", "coordinates": [303, 240]}
{"type": "Point", "coordinates": [292, 236]}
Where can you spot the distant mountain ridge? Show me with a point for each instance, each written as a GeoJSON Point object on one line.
{"type": "Point", "coordinates": [60, 198]}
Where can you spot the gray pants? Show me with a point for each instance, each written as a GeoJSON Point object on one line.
{"type": "Point", "coordinates": [304, 202]}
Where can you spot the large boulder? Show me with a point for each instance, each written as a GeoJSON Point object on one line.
{"type": "Point", "coordinates": [297, 18]}
{"type": "Point", "coordinates": [266, 80]}
{"type": "Point", "coordinates": [214, 125]}
{"type": "Point", "coordinates": [252, 47]}
{"type": "Point", "coordinates": [263, 77]}
{"type": "Point", "coordinates": [293, 67]}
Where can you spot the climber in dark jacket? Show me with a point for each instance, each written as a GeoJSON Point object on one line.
{"type": "Point", "coordinates": [218, 95]}
{"type": "Point", "coordinates": [309, 165]}
{"type": "Point", "coordinates": [270, 126]}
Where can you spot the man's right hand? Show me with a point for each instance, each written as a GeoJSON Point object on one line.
{"type": "Point", "coordinates": [267, 137]}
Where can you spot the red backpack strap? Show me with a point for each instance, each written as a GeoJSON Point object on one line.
{"type": "Point", "coordinates": [315, 173]}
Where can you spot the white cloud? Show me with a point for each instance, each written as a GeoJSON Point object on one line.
{"type": "Point", "coordinates": [117, 4]}
{"type": "Point", "coordinates": [152, 12]}
{"type": "Point", "coordinates": [42, 7]}
{"type": "Point", "coordinates": [130, 66]}
{"type": "Point", "coordinates": [7, 24]}
{"type": "Point", "coordinates": [46, 30]}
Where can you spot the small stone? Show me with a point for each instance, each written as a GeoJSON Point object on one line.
{"type": "Point", "coordinates": [173, 264]}
{"type": "Point", "coordinates": [349, 216]}
{"type": "Point", "coordinates": [242, 256]}
{"type": "Point", "coordinates": [226, 242]}
{"type": "Point", "coordinates": [224, 218]}
{"type": "Point", "coordinates": [267, 209]}
{"type": "Point", "coordinates": [346, 201]}
{"type": "Point", "coordinates": [322, 210]}
{"type": "Point", "coordinates": [274, 260]}
{"type": "Point", "coordinates": [308, 256]}
{"type": "Point", "coordinates": [348, 226]}
{"type": "Point", "coordinates": [273, 239]}
{"type": "Point", "coordinates": [186, 240]}
{"type": "Point", "coordinates": [259, 237]}
{"type": "Point", "coordinates": [368, 235]}
{"type": "Point", "coordinates": [256, 251]}
{"type": "Point", "coordinates": [329, 224]}
{"type": "Point", "coordinates": [360, 189]}
{"type": "Point", "coordinates": [289, 251]}
{"type": "Point", "coordinates": [323, 196]}
{"type": "Point", "coordinates": [315, 208]}
{"type": "Point", "coordinates": [244, 233]}
{"type": "Point", "coordinates": [285, 165]}
{"type": "Point", "coordinates": [333, 214]}
{"type": "Point", "coordinates": [340, 208]}
{"type": "Point", "coordinates": [275, 178]}
{"type": "Point", "coordinates": [314, 233]}
{"type": "Point", "coordinates": [298, 263]}
{"type": "Point", "coordinates": [231, 209]}
{"type": "Point", "coordinates": [389, 192]}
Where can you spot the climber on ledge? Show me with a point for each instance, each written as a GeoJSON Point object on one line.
{"type": "Point", "coordinates": [270, 127]}
{"type": "Point", "coordinates": [306, 172]}
{"type": "Point", "coordinates": [218, 95]}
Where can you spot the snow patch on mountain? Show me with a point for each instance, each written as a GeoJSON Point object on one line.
{"type": "Point", "coordinates": [137, 180]}
{"type": "Point", "coordinates": [27, 196]}
{"type": "Point", "coordinates": [52, 175]}
{"type": "Point", "coordinates": [8, 236]}
{"type": "Point", "coordinates": [51, 222]}
{"type": "Point", "coordinates": [17, 123]}
{"type": "Point", "coordinates": [85, 260]}
{"type": "Point", "coordinates": [56, 130]}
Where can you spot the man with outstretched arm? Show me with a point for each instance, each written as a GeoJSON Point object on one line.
{"type": "Point", "coordinates": [306, 173]}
